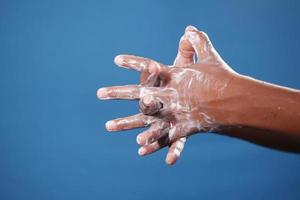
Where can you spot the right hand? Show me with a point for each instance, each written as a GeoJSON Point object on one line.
{"type": "Point", "coordinates": [190, 95]}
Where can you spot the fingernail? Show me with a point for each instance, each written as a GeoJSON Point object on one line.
{"type": "Point", "coordinates": [102, 93]}
{"type": "Point", "coordinates": [142, 151]}
{"type": "Point", "coordinates": [171, 159]}
{"type": "Point", "coordinates": [139, 140]}
{"type": "Point", "coordinates": [148, 100]}
{"type": "Point", "coordinates": [111, 125]}
{"type": "Point", "coordinates": [119, 60]}
{"type": "Point", "coordinates": [153, 67]}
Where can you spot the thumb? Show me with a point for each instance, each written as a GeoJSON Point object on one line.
{"type": "Point", "coordinates": [201, 44]}
{"type": "Point", "coordinates": [185, 55]}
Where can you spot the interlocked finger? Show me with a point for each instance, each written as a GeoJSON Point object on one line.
{"type": "Point", "coordinates": [137, 63]}
{"type": "Point", "coordinates": [131, 122]}
{"type": "Point", "coordinates": [157, 130]}
{"type": "Point", "coordinates": [153, 147]}
{"type": "Point", "coordinates": [129, 92]}
{"type": "Point", "coordinates": [175, 150]}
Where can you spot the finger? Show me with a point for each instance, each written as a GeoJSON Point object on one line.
{"type": "Point", "coordinates": [155, 77]}
{"type": "Point", "coordinates": [183, 129]}
{"type": "Point", "coordinates": [149, 105]}
{"type": "Point", "coordinates": [153, 147]}
{"type": "Point", "coordinates": [186, 52]}
{"type": "Point", "coordinates": [129, 92]}
{"type": "Point", "coordinates": [161, 103]}
{"type": "Point", "coordinates": [119, 92]}
{"type": "Point", "coordinates": [157, 101]}
{"type": "Point", "coordinates": [137, 63]}
{"type": "Point", "coordinates": [175, 150]}
{"type": "Point", "coordinates": [131, 122]}
{"type": "Point", "coordinates": [149, 79]}
{"type": "Point", "coordinates": [200, 43]}
{"type": "Point", "coordinates": [156, 131]}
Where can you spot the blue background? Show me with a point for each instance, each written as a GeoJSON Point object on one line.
{"type": "Point", "coordinates": [54, 55]}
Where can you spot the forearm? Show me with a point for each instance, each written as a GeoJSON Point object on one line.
{"type": "Point", "coordinates": [266, 106]}
{"type": "Point", "coordinates": [262, 113]}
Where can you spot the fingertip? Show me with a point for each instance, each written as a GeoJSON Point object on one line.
{"type": "Point", "coordinates": [119, 59]}
{"type": "Point", "coordinates": [142, 151]}
{"type": "Point", "coordinates": [171, 158]}
{"type": "Point", "coordinates": [148, 100]}
{"type": "Point", "coordinates": [102, 93]}
{"type": "Point", "coordinates": [111, 125]}
{"type": "Point", "coordinates": [190, 28]}
{"type": "Point", "coordinates": [153, 68]}
{"type": "Point", "coordinates": [140, 140]}
{"type": "Point", "coordinates": [150, 105]}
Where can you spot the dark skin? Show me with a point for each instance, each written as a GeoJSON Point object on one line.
{"type": "Point", "coordinates": [204, 96]}
{"type": "Point", "coordinates": [276, 111]}
{"type": "Point", "coordinates": [149, 77]}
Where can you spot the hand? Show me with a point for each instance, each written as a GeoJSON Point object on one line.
{"type": "Point", "coordinates": [187, 100]}
{"type": "Point", "coordinates": [147, 79]}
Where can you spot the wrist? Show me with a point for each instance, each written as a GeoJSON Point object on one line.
{"type": "Point", "coordinates": [234, 101]}
{"type": "Point", "coordinates": [223, 107]}
{"type": "Point", "coordinates": [249, 102]}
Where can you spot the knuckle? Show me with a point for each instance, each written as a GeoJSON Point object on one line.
{"type": "Point", "coordinates": [110, 92]}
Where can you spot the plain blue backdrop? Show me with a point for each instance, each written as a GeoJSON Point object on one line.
{"type": "Point", "coordinates": [54, 55]}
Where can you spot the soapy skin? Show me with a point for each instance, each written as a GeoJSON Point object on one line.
{"type": "Point", "coordinates": [184, 73]}
{"type": "Point", "coordinates": [204, 95]}
{"type": "Point", "coordinates": [150, 79]}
